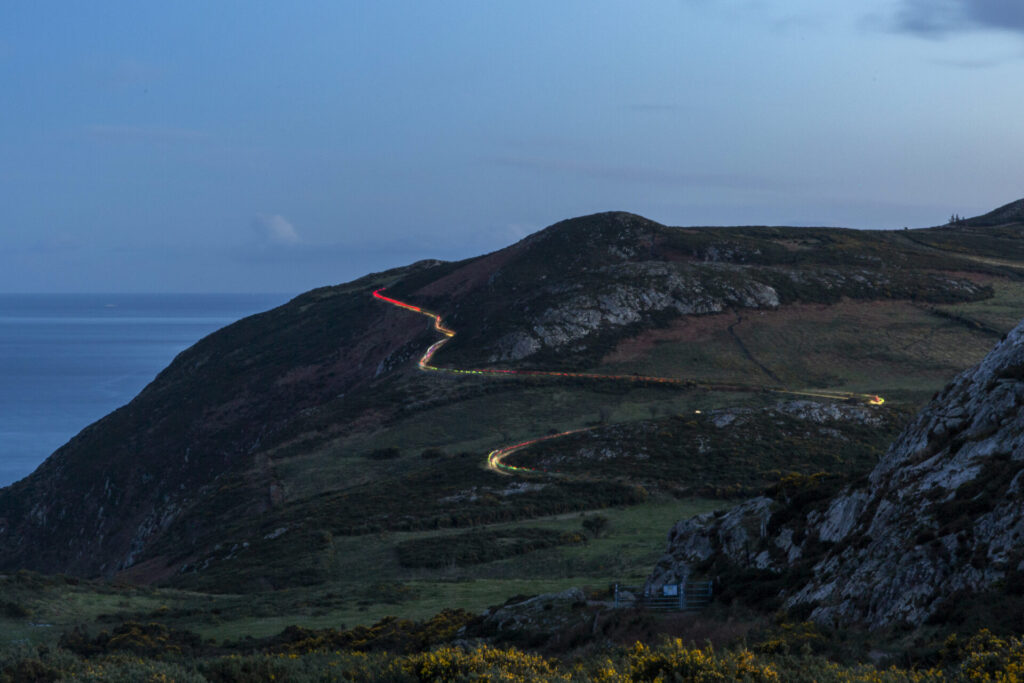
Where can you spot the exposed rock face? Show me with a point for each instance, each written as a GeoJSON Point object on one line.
{"type": "Point", "coordinates": [537, 618]}
{"type": "Point", "coordinates": [813, 412]}
{"type": "Point", "coordinates": [943, 512]}
{"type": "Point", "coordinates": [618, 269]}
{"type": "Point", "coordinates": [627, 293]}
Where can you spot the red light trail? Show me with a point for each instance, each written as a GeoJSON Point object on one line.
{"type": "Point", "coordinates": [495, 457]}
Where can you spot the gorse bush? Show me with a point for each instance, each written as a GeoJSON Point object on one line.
{"type": "Point", "coordinates": [673, 661]}
{"type": "Point", "coordinates": [483, 663]}
{"type": "Point", "coordinates": [985, 657]}
{"type": "Point", "coordinates": [388, 634]}
{"type": "Point", "coordinates": [150, 640]}
{"type": "Point", "coordinates": [981, 657]}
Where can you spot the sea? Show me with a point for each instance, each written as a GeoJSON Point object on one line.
{"type": "Point", "coordinates": [66, 360]}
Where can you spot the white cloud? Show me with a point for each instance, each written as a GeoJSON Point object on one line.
{"type": "Point", "coordinates": [276, 229]}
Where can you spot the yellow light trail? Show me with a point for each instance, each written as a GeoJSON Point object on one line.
{"type": "Point", "coordinates": [495, 457]}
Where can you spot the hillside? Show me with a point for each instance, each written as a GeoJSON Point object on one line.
{"type": "Point", "coordinates": [276, 451]}
{"type": "Point", "coordinates": [932, 533]}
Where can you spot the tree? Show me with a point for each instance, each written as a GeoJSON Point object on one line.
{"type": "Point", "coordinates": [595, 525]}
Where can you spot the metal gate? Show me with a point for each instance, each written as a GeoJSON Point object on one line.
{"type": "Point", "coordinates": [680, 597]}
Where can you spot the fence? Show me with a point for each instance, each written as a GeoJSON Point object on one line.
{"type": "Point", "coordinates": [691, 596]}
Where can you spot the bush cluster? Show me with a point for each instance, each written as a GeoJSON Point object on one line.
{"type": "Point", "coordinates": [982, 657]}
{"type": "Point", "coordinates": [477, 547]}
{"type": "Point", "coordinates": [387, 635]}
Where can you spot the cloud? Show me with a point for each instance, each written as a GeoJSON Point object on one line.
{"type": "Point", "coordinates": [276, 229]}
{"type": "Point", "coordinates": [937, 18]}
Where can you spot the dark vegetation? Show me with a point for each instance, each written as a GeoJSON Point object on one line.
{"type": "Point", "coordinates": [690, 455]}
{"type": "Point", "coordinates": [478, 547]}
{"type": "Point", "coordinates": [398, 506]}
{"type": "Point", "coordinates": [595, 525]}
{"type": "Point", "coordinates": [634, 646]}
{"type": "Point", "coordinates": [147, 640]}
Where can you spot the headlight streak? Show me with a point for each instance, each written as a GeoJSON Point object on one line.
{"type": "Point", "coordinates": [495, 457]}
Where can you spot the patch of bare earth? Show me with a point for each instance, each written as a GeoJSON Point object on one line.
{"type": "Point", "coordinates": [471, 276]}
{"type": "Point", "coordinates": [707, 328]}
{"type": "Point", "coordinates": [700, 328]}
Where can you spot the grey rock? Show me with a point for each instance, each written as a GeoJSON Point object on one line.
{"type": "Point", "coordinates": [891, 553]}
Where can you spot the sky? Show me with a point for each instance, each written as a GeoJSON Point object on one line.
{"type": "Point", "coordinates": [230, 146]}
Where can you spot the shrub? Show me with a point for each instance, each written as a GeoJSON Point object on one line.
{"type": "Point", "coordinates": [389, 634]}
{"type": "Point", "coordinates": [14, 610]}
{"type": "Point", "coordinates": [595, 525]}
{"type": "Point", "coordinates": [389, 453]}
{"type": "Point", "coordinates": [482, 663]}
{"type": "Point", "coordinates": [151, 640]}
{"type": "Point", "coordinates": [478, 547]}
{"type": "Point", "coordinates": [673, 661]}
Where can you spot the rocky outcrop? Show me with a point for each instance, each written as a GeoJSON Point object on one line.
{"type": "Point", "coordinates": [941, 514]}
{"type": "Point", "coordinates": [614, 296]}
{"type": "Point", "coordinates": [628, 293]}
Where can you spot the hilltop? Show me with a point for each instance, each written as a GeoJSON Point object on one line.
{"type": "Point", "coordinates": [302, 446]}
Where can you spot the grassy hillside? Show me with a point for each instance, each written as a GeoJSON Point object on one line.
{"type": "Point", "coordinates": [295, 454]}
{"type": "Point", "coordinates": [297, 469]}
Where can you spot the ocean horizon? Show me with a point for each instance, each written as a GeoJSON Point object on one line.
{"type": "Point", "coordinates": [66, 360]}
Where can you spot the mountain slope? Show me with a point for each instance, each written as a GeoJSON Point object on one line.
{"type": "Point", "coordinates": [270, 437]}
{"type": "Point", "coordinates": [940, 516]}
{"type": "Point", "coordinates": [1007, 214]}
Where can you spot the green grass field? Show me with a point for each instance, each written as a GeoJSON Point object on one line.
{"type": "Point", "coordinates": [890, 348]}
{"type": "Point", "coordinates": [897, 349]}
{"type": "Point", "coordinates": [1002, 312]}
{"type": "Point", "coordinates": [375, 585]}
{"type": "Point", "coordinates": [635, 539]}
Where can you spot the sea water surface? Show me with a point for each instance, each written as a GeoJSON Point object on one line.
{"type": "Point", "coordinates": [68, 360]}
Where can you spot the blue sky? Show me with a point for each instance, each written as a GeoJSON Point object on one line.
{"type": "Point", "coordinates": [269, 146]}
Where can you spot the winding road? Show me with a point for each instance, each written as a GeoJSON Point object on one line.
{"type": "Point", "coordinates": [495, 457]}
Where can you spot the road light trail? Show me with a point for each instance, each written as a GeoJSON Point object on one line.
{"type": "Point", "coordinates": [495, 457]}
